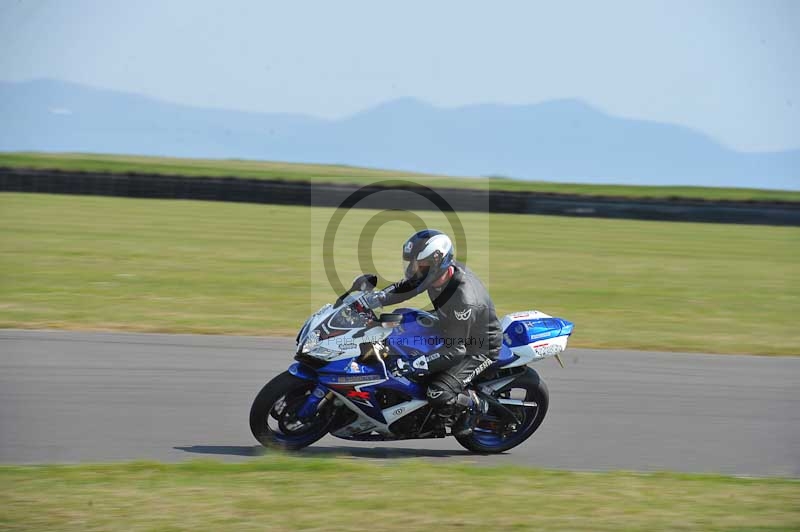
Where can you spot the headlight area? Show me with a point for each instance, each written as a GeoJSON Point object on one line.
{"type": "Point", "coordinates": [309, 342]}
{"type": "Point", "coordinates": [324, 353]}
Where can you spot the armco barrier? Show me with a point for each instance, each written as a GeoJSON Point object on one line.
{"type": "Point", "coordinates": [330, 194]}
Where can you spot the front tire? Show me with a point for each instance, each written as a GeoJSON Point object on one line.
{"type": "Point", "coordinates": [531, 388]}
{"type": "Point", "coordinates": [273, 416]}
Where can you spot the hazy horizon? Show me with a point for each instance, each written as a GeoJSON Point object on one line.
{"type": "Point", "coordinates": [562, 140]}
{"type": "Point", "coordinates": [380, 104]}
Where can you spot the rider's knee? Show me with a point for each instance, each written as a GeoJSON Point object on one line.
{"type": "Point", "coordinates": [440, 395]}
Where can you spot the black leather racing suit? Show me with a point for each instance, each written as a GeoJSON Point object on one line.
{"type": "Point", "coordinates": [471, 330]}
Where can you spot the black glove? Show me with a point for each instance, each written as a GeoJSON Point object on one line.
{"type": "Point", "coordinates": [416, 367]}
{"type": "Point", "coordinates": [367, 281]}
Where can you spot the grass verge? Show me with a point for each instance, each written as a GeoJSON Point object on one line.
{"type": "Point", "coordinates": [350, 174]}
{"type": "Point", "coordinates": [80, 262]}
{"type": "Point", "coordinates": [290, 493]}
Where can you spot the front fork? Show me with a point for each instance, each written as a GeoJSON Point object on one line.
{"type": "Point", "coordinates": [316, 400]}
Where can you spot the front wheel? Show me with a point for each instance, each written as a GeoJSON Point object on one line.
{"type": "Point", "coordinates": [273, 416]}
{"type": "Point", "coordinates": [493, 435]}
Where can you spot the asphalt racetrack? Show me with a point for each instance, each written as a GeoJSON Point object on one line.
{"type": "Point", "coordinates": [98, 397]}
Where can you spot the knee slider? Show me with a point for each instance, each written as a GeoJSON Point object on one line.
{"type": "Point", "coordinates": [440, 396]}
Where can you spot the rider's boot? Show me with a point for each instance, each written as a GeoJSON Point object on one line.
{"type": "Point", "coordinates": [475, 407]}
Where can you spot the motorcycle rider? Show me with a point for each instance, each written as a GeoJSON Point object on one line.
{"type": "Point", "coordinates": [467, 319]}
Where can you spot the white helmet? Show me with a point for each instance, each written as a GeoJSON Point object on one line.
{"type": "Point", "coordinates": [427, 255]}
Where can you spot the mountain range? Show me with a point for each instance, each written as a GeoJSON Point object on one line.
{"type": "Point", "coordinates": [559, 140]}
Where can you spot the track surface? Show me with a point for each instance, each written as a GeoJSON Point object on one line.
{"type": "Point", "coordinates": [76, 397]}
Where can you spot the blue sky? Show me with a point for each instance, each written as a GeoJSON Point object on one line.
{"type": "Point", "coordinates": [728, 68]}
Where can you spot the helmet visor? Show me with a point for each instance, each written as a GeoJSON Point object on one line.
{"type": "Point", "coordinates": [416, 270]}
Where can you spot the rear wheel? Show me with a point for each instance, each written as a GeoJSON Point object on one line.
{"type": "Point", "coordinates": [492, 434]}
{"type": "Point", "coordinates": [273, 416]}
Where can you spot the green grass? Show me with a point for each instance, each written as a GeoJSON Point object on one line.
{"type": "Point", "coordinates": [350, 174]}
{"type": "Point", "coordinates": [282, 493]}
{"type": "Point", "coordinates": [78, 262]}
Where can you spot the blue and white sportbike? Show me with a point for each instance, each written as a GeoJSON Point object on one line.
{"type": "Point", "coordinates": [340, 383]}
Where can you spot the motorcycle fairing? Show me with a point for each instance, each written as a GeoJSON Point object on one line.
{"type": "Point", "coordinates": [356, 383]}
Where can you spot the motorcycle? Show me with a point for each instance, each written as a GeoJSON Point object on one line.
{"type": "Point", "coordinates": [340, 383]}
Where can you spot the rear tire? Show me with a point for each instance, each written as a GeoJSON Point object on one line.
{"type": "Point", "coordinates": [536, 391]}
{"type": "Point", "coordinates": [277, 403]}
